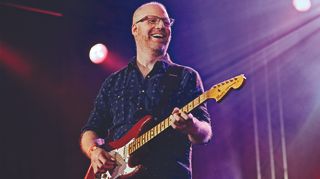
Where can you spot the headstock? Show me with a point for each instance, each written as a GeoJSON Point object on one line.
{"type": "Point", "coordinates": [218, 91]}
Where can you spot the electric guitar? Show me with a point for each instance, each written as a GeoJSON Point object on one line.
{"type": "Point", "coordinates": [123, 148]}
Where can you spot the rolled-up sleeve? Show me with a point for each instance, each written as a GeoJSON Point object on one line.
{"type": "Point", "coordinates": [194, 88]}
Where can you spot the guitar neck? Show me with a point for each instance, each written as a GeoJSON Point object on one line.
{"type": "Point", "coordinates": [156, 130]}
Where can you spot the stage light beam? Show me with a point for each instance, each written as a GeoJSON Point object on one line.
{"type": "Point", "coordinates": [98, 53]}
{"type": "Point", "coordinates": [301, 5]}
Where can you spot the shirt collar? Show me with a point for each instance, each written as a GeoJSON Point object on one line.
{"type": "Point", "coordinates": [160, 66]}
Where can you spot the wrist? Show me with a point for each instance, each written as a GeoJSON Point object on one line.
{"type": "Point", "coordinates": [194, 128]}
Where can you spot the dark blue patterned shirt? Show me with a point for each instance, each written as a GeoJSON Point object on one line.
{"type": "Point", "coordinates": [126, 96]}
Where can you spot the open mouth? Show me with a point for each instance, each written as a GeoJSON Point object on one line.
{"type": "Point", "coordinates": [158, 36]}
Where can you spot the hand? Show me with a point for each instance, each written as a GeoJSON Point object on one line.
{"type": "Point", "coordinates": [183, 122]}
{"type": "Point", "coordinates": [102, 161]}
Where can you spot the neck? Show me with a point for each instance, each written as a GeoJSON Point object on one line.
{"type": "Point", "coordinates": [146, 61]}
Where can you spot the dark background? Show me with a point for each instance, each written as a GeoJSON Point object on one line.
{"type": "Point", "coordinates": [48, 84]}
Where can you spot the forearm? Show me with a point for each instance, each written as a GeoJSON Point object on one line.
{"type": "Point", "coordinates": [201, 132]}
{"type": "Point", "coordinates": [88, 139]}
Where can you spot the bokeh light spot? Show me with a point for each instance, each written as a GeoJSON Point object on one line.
{"type": "Point", "coordinates": [302, 5]}
{"type": "Point", "coordinates": [98, 53]}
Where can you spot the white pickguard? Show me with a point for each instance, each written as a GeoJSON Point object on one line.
{"type": "Point", "coordinates": [122, 158]}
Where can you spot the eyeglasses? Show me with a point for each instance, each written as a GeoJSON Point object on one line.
{"type": "Point", "coordinates": [152, 20]}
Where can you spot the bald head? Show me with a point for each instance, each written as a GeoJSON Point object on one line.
{"type": "Point", "coordinates": [151, 8]}
{"type": "Point", "coordinates": [151, 38]}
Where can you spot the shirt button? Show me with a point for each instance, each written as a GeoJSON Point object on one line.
{"type": "Point", "coordinates": [148, 76]}
{"type": "Point", "coordinates": [142, 91]}
{"type": "Point", "coordinates": [140, 108]}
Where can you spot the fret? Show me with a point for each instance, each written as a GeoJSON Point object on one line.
{"type": "Point", "coordinates": [185, 108]}
{"type": "Point", "coordinates": [156, 130]}
{"type": "Point", "coordinates": [130, 148]}
{"type": "Point", "coordinates": [133, 146]}
{"type": "Point", "coordinates": [151, 133]}
{"type": "Point", "coordinates": [163, 126]}
{"type": "Point", "coordinates": [160, 126]}
{"type": "Point", "coordinates": [141, 141]}
{"type": "Point", "coordinates": [166, 123]}
{"type": "Point", "coordinates": [138, 142]}
{"type": "Point", "coordinates": [147, 135]}
{"type": "Point", "coordinates": [169, 122]}
{"type": "Point", "coordinates": [190, 106]}
{"type": "Point", "coordinates": [202, 97]}
{"type": "Point", "coordinates": [196, 101]}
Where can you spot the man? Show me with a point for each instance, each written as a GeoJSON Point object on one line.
{"type": "Point", "coordinates": [139, 89]}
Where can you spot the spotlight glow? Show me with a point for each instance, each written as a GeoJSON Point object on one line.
{"type": "Point", "coordinates": [98, 53]}
{"type": "Point", "coordinates": [302, 5]}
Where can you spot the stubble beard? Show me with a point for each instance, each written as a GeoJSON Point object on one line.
{"type": "Point", "coordinates": [155, 48]}
{"type": "Point", "coordinates": [159, 51]}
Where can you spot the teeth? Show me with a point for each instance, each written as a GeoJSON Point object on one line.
{"type": "Point", "coordinates": [157, 35]}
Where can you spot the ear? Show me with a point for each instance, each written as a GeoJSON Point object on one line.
{"type": "Point", "coordinates": [134, 29]}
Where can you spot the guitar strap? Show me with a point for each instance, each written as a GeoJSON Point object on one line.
{"type": "Point", "coordinates": [171, 81]}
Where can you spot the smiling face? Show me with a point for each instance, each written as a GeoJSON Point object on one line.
{"type": "Point", "coordinates": [148, 34]}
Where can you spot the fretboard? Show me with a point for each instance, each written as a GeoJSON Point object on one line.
{"type": "Point", "coordinates": [153, 132]}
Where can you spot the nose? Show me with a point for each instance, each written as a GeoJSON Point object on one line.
{"type": "Point", "coordinates": [160, 24]}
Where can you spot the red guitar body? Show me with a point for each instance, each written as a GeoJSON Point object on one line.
{"type": "Point", "coordinates": [127, 165]}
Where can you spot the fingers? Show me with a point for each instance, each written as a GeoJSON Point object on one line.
{"type": "Point", "coordinates": [178, 119]}
{"type": "Point", "coordinates": [107, 160]}
{"type": "Point", "coordinates": [186, 116]}
{"type": "Point", "coordinates": [175, 110]}
{"type": "Point", "coordinates": [102, 161]}
{"type": "Point", "coordinates": [96, 165]}
{"type": "Point", "coordinates": [181, 120]}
